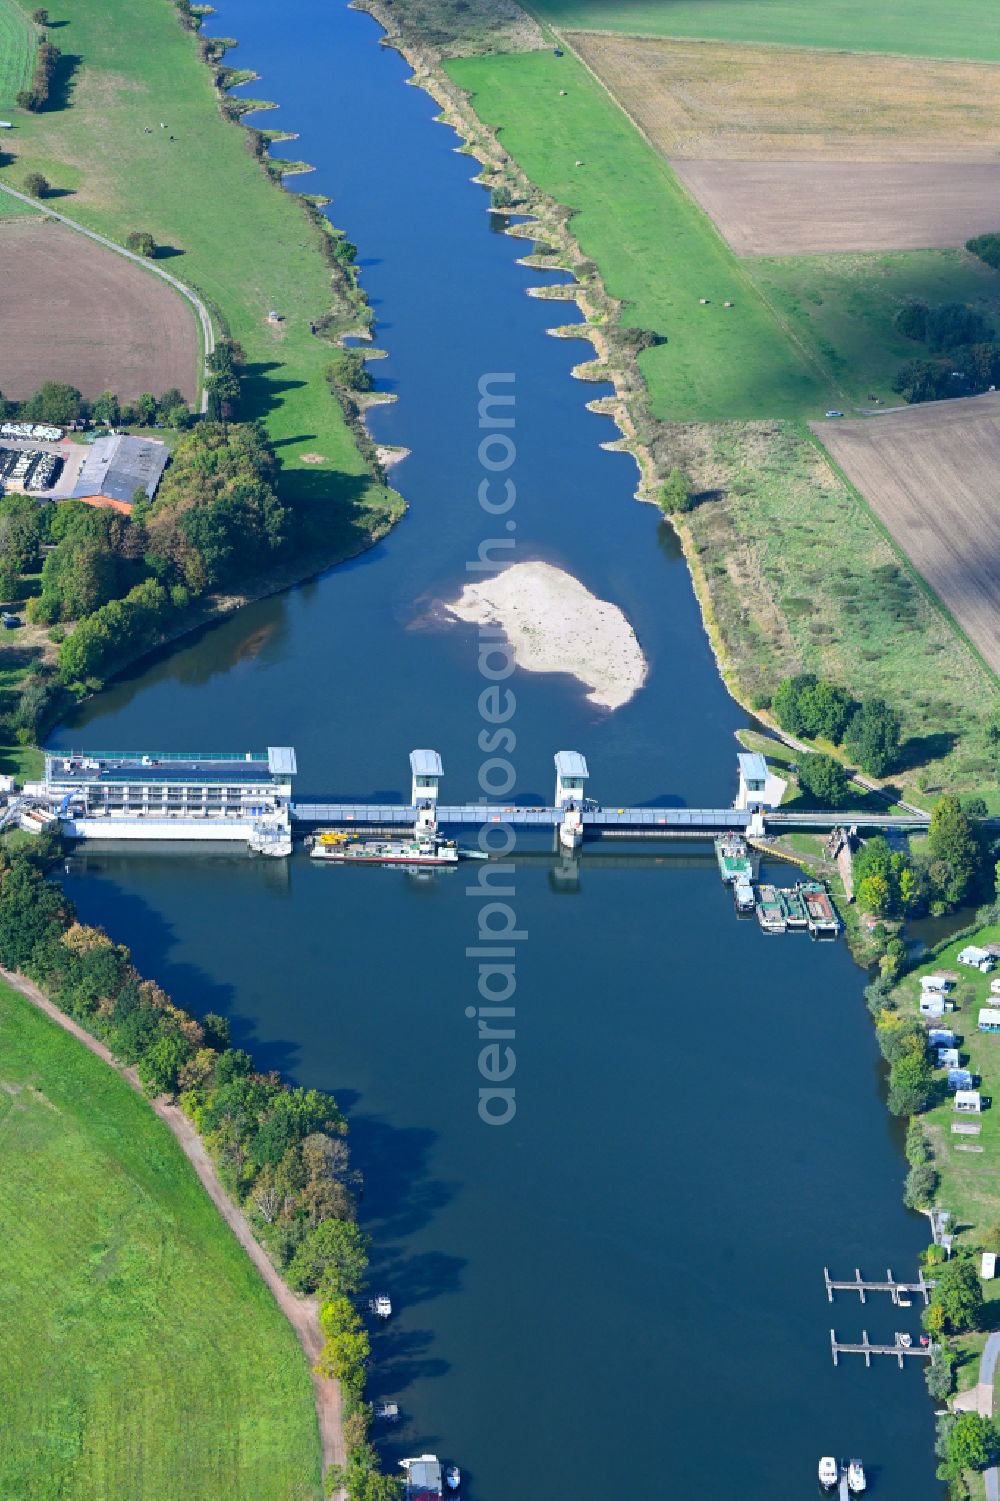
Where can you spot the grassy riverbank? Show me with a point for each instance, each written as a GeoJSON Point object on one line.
{"type": "Point", "coordinates": [141, 1344]}
{"type": "Point", "coordinates": [657, 252]}
{"type": "Point", "coordinates": [245, 246]}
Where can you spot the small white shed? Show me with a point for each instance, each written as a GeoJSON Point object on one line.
{"type": "Point", "coordinates": [968, 1102]}
{"type": "Point", "coordinates": [988, 1266]}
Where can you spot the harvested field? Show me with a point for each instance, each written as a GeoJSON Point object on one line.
{"type": "Point", "coordinates": [810, 208]}
{"type": "Point", "coordinates": [76, 312]}
{"type": "Point", "coordinates": [932, 476]}
{"type": "Point", "coordinates": [707, 100]}
{"type": "Point", "coordinates": [800, 152]}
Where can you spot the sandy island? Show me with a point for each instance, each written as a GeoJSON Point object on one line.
{"type": "Point", "coordinates": [555, 625]}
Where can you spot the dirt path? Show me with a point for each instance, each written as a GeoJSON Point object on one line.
{"type": "Point", "coordinates": [301, 1313]}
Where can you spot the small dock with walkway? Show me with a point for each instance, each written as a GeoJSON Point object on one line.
{"type": "Point", "coordinates": [862, 1287]}
{"type": "Point", "coordinates": [898, 1350]}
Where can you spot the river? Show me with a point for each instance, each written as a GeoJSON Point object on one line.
{"type": "Point", "coordinates": [621, 1289]}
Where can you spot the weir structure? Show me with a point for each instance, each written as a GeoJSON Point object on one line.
{"type": "Point", "coordinates": [246, 796]}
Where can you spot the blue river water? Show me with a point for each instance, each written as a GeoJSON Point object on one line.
{"type": "Point", "coordinates": [622, 1287]}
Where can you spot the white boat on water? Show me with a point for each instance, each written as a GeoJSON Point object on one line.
{"type": "Point", "coordinates": [856, 1482]}
{"type": "Point", "coordinates": [381, 1306]}
{"type": "Point", "coordinates": [829, 1472]}
{"type": "Point", "coordinates": [453, 1478]}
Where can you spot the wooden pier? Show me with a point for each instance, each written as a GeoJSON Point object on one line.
{"type": "Point", "coordinates": [867, 1349]}
{"type": "Point", "coordinates": [890, 1285]}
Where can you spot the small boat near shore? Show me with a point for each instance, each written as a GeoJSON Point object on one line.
{"type": "Point", "coordinates": [453, 1479]}
{"type": "Point", "coordinates": [856, 1481]}
{"type": "Point", "coordinates": [829, 1472]}
{"type": "Point", "coordinates": [380, 1306]}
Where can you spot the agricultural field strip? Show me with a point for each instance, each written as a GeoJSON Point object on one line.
{"type": "Point", "coordinates": [830, 152]}
{"type": "Point", "coordinates": [58, 325]}
{"type": "Point", "coordinates": [705, 100]}
{"type": "Point", "coordinates": [930, 474]}
{"type": "Point", "coordinates": [204, 318]}
{"type": "Point", "coordinates": [916, 28]}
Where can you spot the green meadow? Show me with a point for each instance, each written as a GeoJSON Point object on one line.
{"type": "Point", "coordinates": [656, 250]}
{"type": "Point", "coordinates": [17, 51]}
{"type": "Point", "coordinates": [226, 229]}
{"type": "Point", "coordinates": [142, 1355]}
{"type": "Point", "coordinates": [920, 28]}
{"type": "Point", "coordinates": [842, 307]}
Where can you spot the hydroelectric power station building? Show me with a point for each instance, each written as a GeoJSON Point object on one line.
{"type": "Point", "coordinates": [243, 796]}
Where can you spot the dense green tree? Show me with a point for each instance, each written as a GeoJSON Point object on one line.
{"type": "Point", "coordinates": [675, 493]}
{"type": "Point", "coordinates": [35, 185]}
{"type": "Point", "coordinates": [958, 1292]}
{"type": "Point", "coordinates": [967, 1441]}
{"type": "Point", "coordinates": [160, 1065]}
{"type": "Point", "coordinates": [22, 531]}
{"type": "Point", "coordinates": [911, 321]}
{"type": "Point", "coordinates": [952, 325]}
{"type": "Point", "coordinates": [953, 849]}
{"type": "Point", "coordinates": [987, 248]}
{"type": "Point", "coordinates": [140, 242]}
{"type": "Point", "coordinates": [333, 1257]}
{"type": "Point", "coordinates": [30, 909]}
{"type": "Point", "coordinates": [54, 402]}
{"type": "Point", "coordinates": [106, 408]}
{"type": "Point", "coordinates": [923, 380]}
{"type": "Point", "coordinates": [872, 737]}
{"type": "Point", "coordinates": [910, 1084]}
{"type": "Point", "coordinates": [825, 780]}
{"type": "Point", "coordinates": [920, 1187]}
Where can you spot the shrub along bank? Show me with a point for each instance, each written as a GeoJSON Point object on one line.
{"type": "Point", "coordinates": [280, 1151]}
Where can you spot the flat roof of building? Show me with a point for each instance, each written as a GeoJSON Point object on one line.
{"type": "Point", "coordinates": [570, 764]}
{"type": "Point", "coordinates": [426, 763]}
{"type": "Point", "coordinates": [753, 766]}
{"type": "Point", "coordinates": [170, 766]}
{"type": "Point", "coordinates": [118, 465]}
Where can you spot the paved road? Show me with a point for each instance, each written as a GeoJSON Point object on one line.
{"type": "Point", "coordinates": [204, 317]}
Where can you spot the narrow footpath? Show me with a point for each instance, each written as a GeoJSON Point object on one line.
{"type": "Point", "coordinates": [301, 1313]}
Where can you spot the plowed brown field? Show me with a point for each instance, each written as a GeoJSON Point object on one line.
{"type": "Point", "coordinates": [820, 207]}
{"type": "Point", "coordinates": [73, 311]}
{"type": "Point", "coordinates": [801, 152]}
{"type": "Point", "coordinates": [932, 476]}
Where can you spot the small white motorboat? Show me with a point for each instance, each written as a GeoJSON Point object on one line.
{"type": "Point", "coordinates": [453, 1478]}
{"type": "Point", "coordinates": [828, 1472]}
{"type": "Point", "coordinates": [856, 1477]}
{"type": "Point", "coordinates": [381, 1306]}
{"type": "Point", "coordinates": [904, 1340]}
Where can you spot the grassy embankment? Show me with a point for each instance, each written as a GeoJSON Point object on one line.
{"type": "Point", "coordinates": [140, 1343]}
{"type": "Point", "coordinates": [842, 307]}
{"type": "Point", "coordinates": [657, 251]}
{"type": "Point", "coordinates": [916, 28]}
{"type": "Point", "coordinates": [792, 569]}
{"type": "Point", "coordinates": [230, 233]}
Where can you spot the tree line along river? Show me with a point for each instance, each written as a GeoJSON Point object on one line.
{"type": "Point", "coordinates": [622, 1287]}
